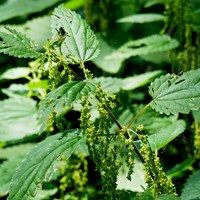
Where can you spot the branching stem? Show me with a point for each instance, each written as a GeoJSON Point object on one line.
{"type": "Point", "coordinates": [137, 115]}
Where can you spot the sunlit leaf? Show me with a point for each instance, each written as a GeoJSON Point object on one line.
{"type": "Point", "coordinates": [142, 18]}
{"type": "Point", "coordinates": [17, 44]}
{"type": "Point", "coordinates": [15, 73]}
{"type": "Point", "coordinates": [80, 42]}
{"type": "Point", "coordinates": [39, 164]}
{"type": "Point", "coordinates": [176, 94]}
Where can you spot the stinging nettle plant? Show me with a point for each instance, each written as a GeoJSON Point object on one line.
{"type": "Point", "coordinates": [72, 44]}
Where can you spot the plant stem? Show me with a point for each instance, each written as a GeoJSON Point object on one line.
{"type": "Point", "coordinates": [113, 117]}
{"type": "Point", "coordinates": [137, 115]}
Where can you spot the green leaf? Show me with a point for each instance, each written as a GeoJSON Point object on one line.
{"type": "Point", "coordinates": [114, 85]}
{"type": "Point", "coordinates": [168, 197]}
{"type": "Point", "coordinates": [18, 118]}
{"type": "Point", "coordinates": [112, 65]}
{"type": "Point", "coordinates": [7, 169]}
{"type": "Point", "coordinates": [38, 29]}
{"type": "Point", "coordinates": [191, 188]}
{"type": "Point", "coordinates": [15, 73]}
{"type": "Point", "coordinates": [80, 42]}
{"type": "Point", "coordinates": [63, 97]}
{"type": "Point", "coordinates": [14, 155]}
{"type": "Point", "coordinates": [150, 3]}
{"type": "Point", "coordinates": [74, 4]}
{"type": "Point", "coordinates": [16, 44]}
{"type": "Point", "coordinates": [21, 150]}
{"type": "Point", "coordinates": [40, 163]}
{"type": "Point", "coordinates": [142, 18]}
{"type": "Point", "coordinates": [16, 8]}
{"type": "Point", "coordinates": [176, 94]}
{"type": "Point", "coordinates": [144, 46]}
{"type": "Point", "coordinates": [166, 135]}
{"type": "Point", "coordinates": [178, 170]}
{"type": "Point", "coordinates": [139, 174]}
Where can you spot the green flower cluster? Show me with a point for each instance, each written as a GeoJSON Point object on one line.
{"type": "Point", "coordinates": [156, 179]}
{"type": "Point", "coordinates": [196, 128]}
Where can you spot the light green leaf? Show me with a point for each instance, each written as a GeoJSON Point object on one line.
{"type": "Point", "coordinates": [133, 82]}
{"type": "Point", "coordinates": [18, 118]}
{"type": "Point", "coordinates": [14, 155]}
{"type": "Point", "coordinates": [21, 150]}
{"type": "Point", "coordinates": [112, 65]}
{"type": "Point", "coordinates": [18, 45]}
{"type": "Point", "coordinates": [176, 94]}
{"type": "Point", "coordinates": [150, 3]}
{"type": "Point", "coordinates": [113, 85]}
{"type": "Point", "coordinates": [74, 4]}
{"type": "Point", "coordinates": [7, 169]}
{"type": "Point", "coordinates": [46, 193]}
{"type": "Point", "coordinates": [38, 29]}
{"type": "Point", "coordinates": [15, 73]}
{"type": "Point", "coordinates": [63, 97]}
{"type": "Point", "coordinates": [137, 182]}
{"type": "Point", "coordinates": [191, 188]}
{"type": "Point", "coordinates": [142, 18]}
{"type": "Point", "coordinates": [80, 42]}
{"type": "Point", "coordinates": [39, 164]}
{"type": "Point", "coordinates": [16, 8]}
{"type": "Point", "coordinates": [144, 46]}
{"type": "Point", "coordinates": [166, 135]}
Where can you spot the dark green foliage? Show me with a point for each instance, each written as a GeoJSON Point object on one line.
{"type": "Point", "coordinates": [77, 117]}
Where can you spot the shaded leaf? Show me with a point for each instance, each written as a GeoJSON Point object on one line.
{"type": "Point", "coordinates": [112, 65]}
{"type": "Point", "coordinates": [178, 170]}
{"type": "Point", "coordinates": [191, 188]}
{"type": "Point", "coordinates": [166, 135]}
{"type": "Point", "coordinates": [176, 94]}
{"type": "Point", "coordinates": [14, 155]}
{"type": "Point", "coordinates": [114, 85]}
{"type": "Point", "coordinates": [63, 97]}
{"type": "Point", "coordinates": [168, 197]}
{"type": "Point", "coordinates": [80, 42]}
{"type": "Point", "coordinates": [16, 8]}
{"type": "Point", "coordinates": [21, 150]}
{"type": "Point", "coordinates": [38, 29]}
{"type": "Point", "coordinates": [7, 169]}
{"type": "Point", "coordinates": [142, 18]}
{"type": "Point", "coordinates": [18, 118]}
{"type": "Point", "coordinates": [18, 45]}
{"type": "Point", "coordinates": [39, 164]}
{"type": "Point", "coordinates": [144, 46]}
{"type": "Point", "coordinates": [152, 121]}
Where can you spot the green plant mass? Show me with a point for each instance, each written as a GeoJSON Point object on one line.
{"type": "Point", "coordinates": [100, 100]}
